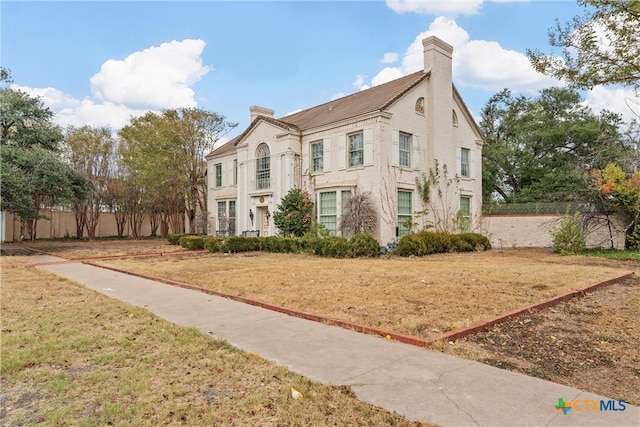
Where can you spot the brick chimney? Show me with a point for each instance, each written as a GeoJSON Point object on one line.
{"type": "Point", "coordinates": [260, 111]}
{"type": "Point", "coordinates": [439, 96]}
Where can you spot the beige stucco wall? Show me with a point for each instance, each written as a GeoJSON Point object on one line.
{"type": "Point", "coordinates": [63, 224]}
{"type": "Point", "coordinates": [517, 231]}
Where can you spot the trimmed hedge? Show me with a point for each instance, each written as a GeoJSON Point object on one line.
{"type": "Point", "coordinates": [213, 244]}
{"type": "Point", "coordinates": [241, 244]}
{"type": "Point", "coordinates": [174, 239]}
{"type": "Point", "coordinates": [334, 247]}
{"type": "Point", "coordinates": [426, 243]}
{"type": "Point", "coordinates": [192, 242]}
{"type": "Point", "coordinates": [363, 245]}
{"type": "Point", "coordinates": [280, 244]}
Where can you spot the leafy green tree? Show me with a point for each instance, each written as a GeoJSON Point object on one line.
{"type": "Point", "coordinates": [599, 48]}
{"type": "Point", "coordinates": [35, 178]}
{"type": "Point", "coordinates": [91, 151]}
{"type": "Point", "coordinates": [165, 152]}
{"type": "Point", "coordinates": [294, 214]}
{"type": "Point", "coordinates": [33, 174]}
{"type": "Point", "coordinates": [25, 121]}
{"type": "Point", "coordinates": [538, 149]}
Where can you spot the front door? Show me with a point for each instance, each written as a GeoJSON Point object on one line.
{"type": "Point", "coordinates": [264, 230]}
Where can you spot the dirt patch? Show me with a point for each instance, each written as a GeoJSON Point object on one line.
{"type": "Point", "coordinates": [590, 343]}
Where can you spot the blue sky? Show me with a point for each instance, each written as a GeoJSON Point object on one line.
{"type": "Point", "coordinates": [99, 63]}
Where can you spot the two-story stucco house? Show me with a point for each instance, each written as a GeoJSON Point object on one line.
{"type": "Point", "coordinates": [378, 140]}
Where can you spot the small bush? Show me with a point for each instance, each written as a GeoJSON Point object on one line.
{"type": "Point", "coordinates": [280, 244]}
{"type": "Point", "coordinates": [410, 244]}
{"type": "Point", "coordinates": [241, 244]}
{"type": "Point", "coordinates": [364, 245]}
{"type": "Point", "coordinates": [478, 242]}
{"type": "Point", "coordinates": [192, 242]}
{"type": "Point", "coordinates": [213, 244]}
{"type": "Point", "coordinates": [334, 247]}
{"type": "Point", "coordinates": [568, 237]}
{"type": "Point", "coordinates": [174, 239]}
{"type": "Point", "coordinates": [426, 243]}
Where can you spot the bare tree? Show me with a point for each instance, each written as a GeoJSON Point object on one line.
{"type": "Point", "coordinates": [360, 215]}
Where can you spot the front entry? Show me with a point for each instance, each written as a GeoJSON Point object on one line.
{"type": "Point", "coordinates": [263, 220]}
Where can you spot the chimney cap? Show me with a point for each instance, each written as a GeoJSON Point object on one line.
{"type": "Point", "coordinates": [433, 42]}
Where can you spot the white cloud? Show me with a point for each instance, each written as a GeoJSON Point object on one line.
{"type": "Point", "coordinates": [359, 82]}
{"type": "Point", "coordinates": [159, 76]}
{"type": "Point", "coordinates": [436, 7]}
{"type": "Point", "coordinates": [390, 58]}
{"type": "Point", "coordinates": [338, 96]}
{"type": "Point", "coordinates": [476, 63]}
{"type": "Point", "coordinates": [293, 112]}
{"type": "Point", "coordinates": [616, 99]}
{"type": "Point", "coordinates": [155, 78]}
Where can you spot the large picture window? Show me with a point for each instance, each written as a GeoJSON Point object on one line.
{"type": "Point", "coordinates": [263, 167]}
{"type": "Point", "coordinates": [356, 149]}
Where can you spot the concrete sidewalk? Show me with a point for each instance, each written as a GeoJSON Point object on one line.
{"type": "Point", "coordinates": [421, 385]}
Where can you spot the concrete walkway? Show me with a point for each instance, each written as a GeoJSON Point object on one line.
{"type": "Point", "coordinates": [421, 385]}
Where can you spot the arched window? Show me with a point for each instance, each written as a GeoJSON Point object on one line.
{"type": "Point", "coordinates": [263, 167]}
{"type": "Point", "coordinates": [454, 117]}
{"type": "Point", "coordinates": [420, 105]}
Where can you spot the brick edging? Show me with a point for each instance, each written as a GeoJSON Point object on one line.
{"type": "Point", "coordinates": [550, 302]}
{"type": "Point", "coordinates": [407, 339]}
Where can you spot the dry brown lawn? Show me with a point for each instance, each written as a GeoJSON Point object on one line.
{"type": "Point", "coordinates": [73, 249]}
{"type": "Point", "coordinates": [422, 297]}
{"type": "Point", "coordinates": [71, 356]}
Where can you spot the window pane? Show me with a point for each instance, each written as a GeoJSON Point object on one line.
{"type": "Point", "coordinates": [346, 196]}
{"type": "Point", "coordinates": [263, 172]}
{"type": "Point", "coordinates": [464, 162]}
{"type": "Point", "coordinates": [405, 150]}
{"type": "Point", "coordinates": [232, 218]}
{"type": "Point", "coordinates": [405, 212]}
{"type": "Point", "coordinates": [317, 157]}
{"type": "Point", "coordinates": [465, 214]}
{"type": "Point", "coordinates": [218, 175]}
{"type": "Point", "coordinates": [356, 151]}
{"type": "Point", "coordinates": [328, 211]}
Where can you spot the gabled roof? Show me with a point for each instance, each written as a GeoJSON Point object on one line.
{"type": "Point", "coordinates": [376, 98]}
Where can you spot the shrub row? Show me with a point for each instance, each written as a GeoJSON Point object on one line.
{"type": "Point", "coordinates": [192, 242]}
{"type": "Point", "coordinates": [425, 243]}
{"type": "Point", "coordinates": [360, 245]}
{"type": "Point", "coordinates": [174, 239]}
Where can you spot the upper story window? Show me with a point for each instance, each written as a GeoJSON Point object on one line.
{"type": "Point", "coordinates": [263, 167]}
{"type": "Point", "coordinates": [404, 146]}
{"type": "Point", "coordinates": [356, 149]}
{"type": "Point", "coordinates": [235, 172]}
{"type": "Point", "coordinates": [464, 162]}
{"type": "Point", "coordinates": [454, 117]}
{"type": "Point", "coordinates": [317, 157]}
{"type": "Point", "coordinates": [420, 105]}
{"type": "Point", "coordinates": [219, 175]}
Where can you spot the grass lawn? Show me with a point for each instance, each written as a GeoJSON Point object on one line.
{"type": "Point", "coordinates": [71, 356]}
{"type": "Point", "coordinates": [421, 297]}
